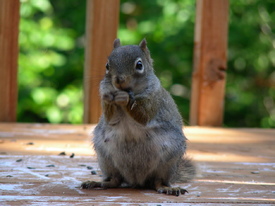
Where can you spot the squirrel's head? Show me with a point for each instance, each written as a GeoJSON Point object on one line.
{"type": "Point", "coordinates": [128, 66]}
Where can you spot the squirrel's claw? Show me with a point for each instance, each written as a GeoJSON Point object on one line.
{"type": "Point", "coordinates": [113, 183]}
{"type": "Point", "coordinates": [90, 185]}
{"type": "Point", "coordinates": [172, 190]}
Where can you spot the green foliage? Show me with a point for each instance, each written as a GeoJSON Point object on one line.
{"type": "Point", "coordinates": [168, 26]}
{"type": "Point", "coordinates": [50, 63]}
{"type": "Point", "coordinates": [250, 95]}
{"type": "Point", "coordinates": [52, 55]}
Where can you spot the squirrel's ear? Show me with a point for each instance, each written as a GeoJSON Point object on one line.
{"type": "Point", "coordinates": [117, 43]}
{"type": "Point", "coordinates": [143, 44]}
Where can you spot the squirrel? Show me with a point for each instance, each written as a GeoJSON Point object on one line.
{"type": "Point", "coordinates": [139, 139]}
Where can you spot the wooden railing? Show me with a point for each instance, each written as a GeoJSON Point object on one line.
{"type": "Point", "coordinates": [210, 56]}
{"type": "Point", "coordinates": [9, 25]}
{"type": "Point", "coordinates": [102, 17]}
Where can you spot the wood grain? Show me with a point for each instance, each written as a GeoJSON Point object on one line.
{"type": "Point", "coordinates": [210, 56]}
{"type": "Point", "coordinates": [9, 22]}
{"type": "Point", "coordinates": [235, 167]}
{"type": "Point", "coordinates": [101, 30]}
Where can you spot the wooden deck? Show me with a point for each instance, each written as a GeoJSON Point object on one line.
{"type": "Point", "coordinates": [236, 167]}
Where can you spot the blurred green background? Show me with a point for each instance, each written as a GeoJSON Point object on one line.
{"type": "Point", "coordinates": [51, 59]}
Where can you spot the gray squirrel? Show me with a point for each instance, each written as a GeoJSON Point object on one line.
{"type": "Point", "coordinates": [139, 139]}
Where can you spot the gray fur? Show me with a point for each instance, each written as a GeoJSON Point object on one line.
{"type": "Point", "coordinates": [139, 139]}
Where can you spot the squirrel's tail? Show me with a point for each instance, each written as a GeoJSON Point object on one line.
{"type": "Point", "coordinates": [185, 172]}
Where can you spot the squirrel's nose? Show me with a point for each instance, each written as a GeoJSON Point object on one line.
{"type": "Point", "coordinates": [120, 80]}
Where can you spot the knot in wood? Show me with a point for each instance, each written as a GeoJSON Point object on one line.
{"type": "Point", "coordinates": [215, 70]}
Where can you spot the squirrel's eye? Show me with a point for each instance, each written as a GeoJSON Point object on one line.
{"type": "Point", "coordinates": [107, 67]}
{"type": "Point", "coordinates": [139, 65]}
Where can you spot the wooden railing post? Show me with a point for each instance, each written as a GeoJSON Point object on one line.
{"type": "Point", "coordinates": [210, 57]}
{"type": "Point", "coordinates": [102, 20]}
{"type": "Point", "coordinates": [9, 26]}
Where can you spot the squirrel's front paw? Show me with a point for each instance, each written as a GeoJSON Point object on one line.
{"type": "Point", "coordinates": [108, 97]}
{"type": "Point", "coordinates": [121, 98]}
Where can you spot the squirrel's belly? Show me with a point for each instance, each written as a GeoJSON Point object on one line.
{"type": "Point", "coordinates": [132, 153]}
{"type": "Point", "coordinates": [135, 162]}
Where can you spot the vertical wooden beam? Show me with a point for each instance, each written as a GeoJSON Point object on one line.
{"type": "Point", "coordinates": [9, 26]}
{"type": "Point", "coordinates": [210, 57]}
{"type": "Point", "coordinates": [102, 21]}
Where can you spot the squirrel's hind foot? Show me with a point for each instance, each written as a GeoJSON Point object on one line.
{"type": "Point", "coordinates": [172, 190]}
{"type": "Point", "coordinates": [91, 185]}
{"type": "Point", "coordinates": [103, 185]}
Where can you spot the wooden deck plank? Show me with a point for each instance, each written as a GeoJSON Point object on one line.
{"type": "Point", "coordinates": [236, 166]}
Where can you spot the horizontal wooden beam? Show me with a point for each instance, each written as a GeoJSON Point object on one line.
{"type": "Point", "coordinates": [210, 57]}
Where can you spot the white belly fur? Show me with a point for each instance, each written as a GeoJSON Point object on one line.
{"type": "Point", "coordinates": [134, 157]}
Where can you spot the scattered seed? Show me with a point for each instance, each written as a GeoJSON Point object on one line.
{"type": "Point", "coordinates": [30, 143]}
{"type": "Point", "coordinates": [20, 160]}
{"type": "Point", "coordinates": [89, 167]}
{"type": "Point", "coordinates": [72, 156]}
{"type": "Point", "coordinates": [50, 166]}
{"type": "Point", "coordinates": [93, 172]}
{"type": "Point", "coordinates": [31, 168]}
{"type": "Point", "coordinates": [62, 153]}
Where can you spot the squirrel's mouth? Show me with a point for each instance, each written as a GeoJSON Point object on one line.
{"type": "Point", "coordinates": [121, 83]}
{"type": "Point", "coordinates": [126, 89]}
